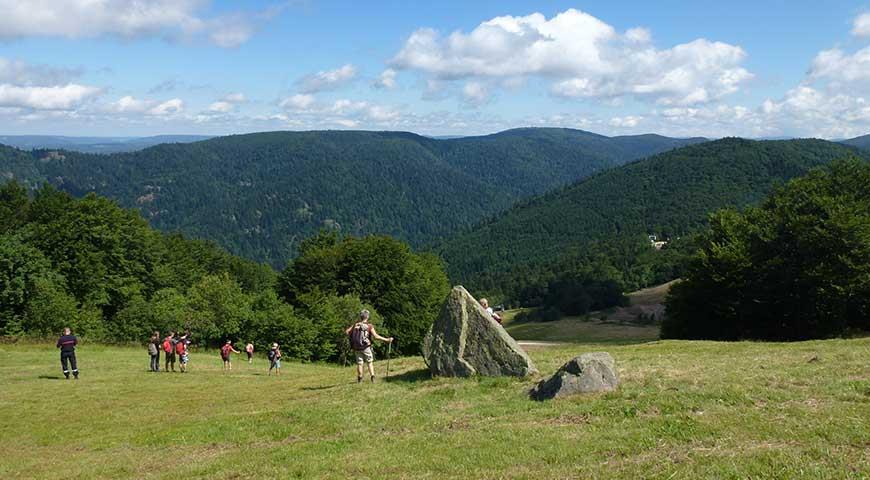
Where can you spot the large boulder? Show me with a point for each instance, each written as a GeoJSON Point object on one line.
{"type": "Point", "coordinates": [466, 341]}
{"type": "Point", "coordinates": [590, 372]}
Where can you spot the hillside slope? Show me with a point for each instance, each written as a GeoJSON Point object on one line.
{"type": "Point", "coordinates": [860, 142]}
{"type": "Point", "coordinates": [259, 194]}
{"type": "Point", "coordinates": [669, 195]}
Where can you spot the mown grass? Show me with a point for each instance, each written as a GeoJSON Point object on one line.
{"type": "Point", "coordinates": [685, 410]}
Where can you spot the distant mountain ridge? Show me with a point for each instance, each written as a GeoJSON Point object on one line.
{"type": "Point", "coordinates": [860, 142]}
{"type": "Point", "coordinates": [259, 194]}
{"type": "Point", "coordinates": [669, 194]}
{"type": "Point", "coordinates": [94, 144]}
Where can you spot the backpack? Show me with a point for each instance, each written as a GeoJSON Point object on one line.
{"type": "Point", "coordinates": [272, 354]}
{"type": "Point", "coordinates": [167, 345]}
{"type": "Point", "coordinates": [225, 350]}
{"type": "Point", "coordinates": [179, 347]}
{"type": "Point", "coordinates": [359, 338]}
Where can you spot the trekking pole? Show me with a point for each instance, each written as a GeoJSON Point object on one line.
{"type": "Point", "coordinates": [389, 349]}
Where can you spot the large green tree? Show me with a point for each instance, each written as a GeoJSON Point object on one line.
{"type": "Point", "coordinates": [797, 267]}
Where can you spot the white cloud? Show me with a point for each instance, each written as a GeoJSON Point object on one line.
{"type": "Point", "coordinates": [60, 97]}
{"type": "Point", "coordinates": [475, 93]}
{"type": "Point", "coordinates": [169, 107]}
{"type": "Point", "coordinates": [129, 104]}
{"type": "Point", "coordinates": [861, 27]}
{"type": "Point", "coordinates": [387, 79]}
{"type": "Point", "coordinates": [299, 101]}
{"type": "Point", "coordinates": [235, 98]}
{"type": "Point", "coordinates": [838, 66]}
{"type": "Point", "coordinates": [127, 19]}
{"type": "Point", "coordinates": [18, 72]}
{"type": "Point", "coordinates": [629, 121]}
{"type": "Point", "coordinates": [582, 55]}
{"type": "Point", "coordinates": [221, 107]}
{"type": "Point", "coordinates": [327, 80]}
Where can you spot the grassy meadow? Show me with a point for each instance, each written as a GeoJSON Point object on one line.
{"type": "Point", "coordinates": [685, 410]}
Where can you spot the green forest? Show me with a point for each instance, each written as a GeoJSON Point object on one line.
{"type": "Point", "coordinates": [598, 227]}
{"type": "Point", "coordinates": [103, 271]}
{"type": "Point", "coordinates": [260, 195]}
{"type": "Point", "coordinates": [796, 267]}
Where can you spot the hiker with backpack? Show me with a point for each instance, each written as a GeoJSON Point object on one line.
{"type": "Point", "coordinates": [169, 351]}
{"type": "Point", "coordinates": [274, 359]}
{"type": "Point", "coordinates": [226, 355]}
{"type": "Point", "coordinates": [361, 334]}
{"type": "Point", "coordinates": [181, 351]}
{"type": "Point", "coordinates": [154, 351]}
{"type": "Point", "coordinates": [67, 345]}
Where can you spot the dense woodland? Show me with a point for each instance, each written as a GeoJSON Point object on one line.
{"type": "Point", "coordinates": [598, 227]}
{"type": "Point", "coordinates": [260, 195]}
{"type": "Point", "coordinates": [797, 267]}
{"type": "Point", "coordinates": [102, 270]}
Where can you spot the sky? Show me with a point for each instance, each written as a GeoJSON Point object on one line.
{"type": "Point", "coordinates": [775, 68]}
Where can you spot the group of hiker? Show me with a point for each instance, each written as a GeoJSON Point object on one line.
{"type": "Point", "coordinates": [177, 344]}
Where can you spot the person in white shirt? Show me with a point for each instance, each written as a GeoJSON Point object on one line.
{"type": "Point", "coordinates": [485, 304]}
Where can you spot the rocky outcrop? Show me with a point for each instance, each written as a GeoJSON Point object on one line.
{"type": "Point", "coordinates": [590, 372]}
{"type": "Point", "coordinates": [466, 341]}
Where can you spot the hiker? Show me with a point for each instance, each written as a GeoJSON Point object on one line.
{"type": "Point", "coordinates": [249, 349]}
{"type": "Point", "coordinates": [361, 334]}
{"type": "Point", "coordinates": [154, 351]}
{"type": "Point", "coordinates": [169, 350]}
{"type": "Point", "coordinates": [274, 359]}
{"type": "Point", "coordinates": [181, 350]}
{"type": "Point", "coordinates": [485, 304]}
{"type": "Point", "coordinates": [226, 354]}
{"type": "Point", "coordinates": [67, 345]}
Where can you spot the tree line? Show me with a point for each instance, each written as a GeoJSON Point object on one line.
{"type": "Point", "coordinates": [102, 270]}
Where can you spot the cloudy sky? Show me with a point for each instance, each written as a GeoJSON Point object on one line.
{"type": "Point", "coordinates": [140, 67]}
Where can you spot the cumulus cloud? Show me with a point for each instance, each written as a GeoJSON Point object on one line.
{"type": "Point", "coordinates": [59, 97]}
{"type": "Point", "coordinates": [299, 101]}
{"type": "Point", "coordinates": [861, 27]}
{"type": "Point", "coordinates": [169, 107]}
{"type": "Point", "coordinates": [387, 79]}
{"type": "Point", "coordinates": [18, 72]}
{"type": "Point", "coordinates": [838, 66]}
{"type": "Point", "coordinates": [582, 55]}
{"type": "Point", "coordinates": [235, 98]}
{"type": "Point", "coordinates": [475, 93]}
{"type": "Point", "coordinates": [629, 121]}
{"type": "Point", "coordinates": [327, 80]}
{"type": "Point", "coordinates": [127, 19]}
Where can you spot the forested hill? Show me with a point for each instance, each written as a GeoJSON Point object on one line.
{"type": "Point", "coordinates": [669, 195]}
{"type": "Point", "coordinates": [260, 194]}
{"type": "Point", "coordinates": [860, 142]}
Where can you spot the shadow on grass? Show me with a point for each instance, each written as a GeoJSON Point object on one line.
{"type": "Point", "coordinates": [323, 387]}
{"type": "Point", "coordinates": [411, 376]}
{"type": "Point", "coordinates": [50, 377]}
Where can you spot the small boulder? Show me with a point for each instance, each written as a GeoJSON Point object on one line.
{"type": "Point", "coordinates": [466, 341]}
{"type": "Point", "coordinates": [588, 373]}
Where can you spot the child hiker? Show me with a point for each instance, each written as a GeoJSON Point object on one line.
{"type": "Point", "coordinates": [274, 359]}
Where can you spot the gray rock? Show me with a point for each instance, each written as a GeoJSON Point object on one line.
{"type": "Point", "coordinates": [590, 372]}
{"type": "Point", "coordinates": [466, 341]}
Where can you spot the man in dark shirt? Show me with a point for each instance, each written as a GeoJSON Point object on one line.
{"type": "Point", "coordinates": [67, 345]}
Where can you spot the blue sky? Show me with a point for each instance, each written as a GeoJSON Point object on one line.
{"type": "Point", "coordinates": [135, 67]}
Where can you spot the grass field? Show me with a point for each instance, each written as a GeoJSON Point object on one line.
{"type": "Point", "coordinates": [613, 326]}
{"type": "Point", "coordinates": [685, 410]}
